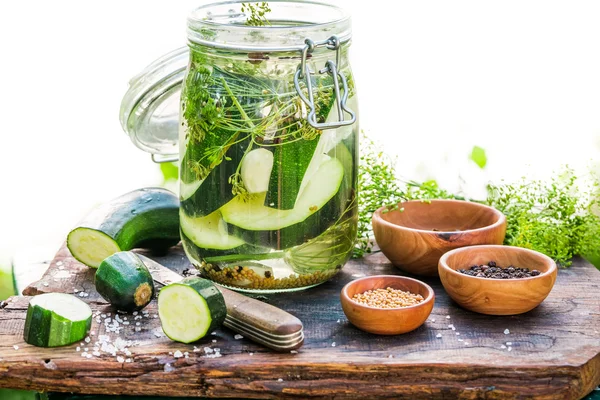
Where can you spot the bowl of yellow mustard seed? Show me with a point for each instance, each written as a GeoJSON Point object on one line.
{"type": "Point", "coordinates": [387, 304]}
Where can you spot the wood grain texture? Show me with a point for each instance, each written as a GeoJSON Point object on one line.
{"type": "Point", "coordinates": [415, 236]}
{"type": "Point", "coordinates": [387, 321]}
{"type": "Point", "coordinates": [554, 349]}
{"type": "Point", "coordinates": [497, 296]}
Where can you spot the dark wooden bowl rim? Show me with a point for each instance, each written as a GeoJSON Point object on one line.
{"type": "Point", "coordinates": [460, 203]}
{"type": "Point", "coordinates": [443, 262]}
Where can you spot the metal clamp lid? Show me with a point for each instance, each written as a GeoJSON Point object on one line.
{"type": "Point", "coordinates": [304, 72]}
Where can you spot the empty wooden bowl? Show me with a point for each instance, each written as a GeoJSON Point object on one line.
{"type": "Point", "coordinates": [387, 321]}
{"type": "Point", "coordinates": [414, 236]}
{"type": "Point", "coordinates": [497, 296]}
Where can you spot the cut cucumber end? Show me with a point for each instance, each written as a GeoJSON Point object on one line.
{"type": "Point", "coordinates": [188, 310]}
{"type": "Point", "coordinates": [90, 246]}
{"type": "Point", "coordinates": [56, 319]}
{"type": "Point", "coordinates": [183, 313]}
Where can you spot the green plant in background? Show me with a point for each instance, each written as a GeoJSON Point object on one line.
{"type": "Point", "coordinates": [556, 218]}
{"type": "Point", "coordinates": [7, 280]}
{"type": "Point", "coordinates": [478, 156]}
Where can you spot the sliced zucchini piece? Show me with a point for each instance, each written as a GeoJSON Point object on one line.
{"type": "Point", "coordinates": [8, 283]}
{"type": "Point", "coordinates": [209, 232]}
{"type": "Point", "coordinates": [124, 281]}
{"type": "Point", "coordinates": [190, 309]}
{"type": "Point", "coordinates": [256, 169]}
{"type": "Point", "coordinates": [255, 216]}
{"type": "Point", "coordinates": [291, 162]}
{"type": "Point", "coordinates": [56, 319]}
{"type": "Point", "coordinates": [216, 189]}
{"type": "Point", "coordinates": [144, 217]}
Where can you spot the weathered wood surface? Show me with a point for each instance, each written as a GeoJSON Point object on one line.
{"type": "Point", "coordinates": [555, 349]}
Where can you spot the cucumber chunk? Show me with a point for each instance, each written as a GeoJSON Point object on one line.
{"type": "Point", "coordinates": [256, 170]}
{"type": "Point", "coordinates": [255, 216]}
{"type": "Point", "coordinates": [124, 281]}
{"type": "Point", "coordinates": [291, 162]}
{"type": "Point", "coordinates": [144, 217]}
{"type": "Point", "coordinates": [56, 319]}
{"type": "Point", "coordinates": [190, 309]}
{"type": "Point", "coordinates": [209, 232]}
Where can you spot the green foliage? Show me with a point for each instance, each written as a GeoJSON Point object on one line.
{"type": "Point", "coordinates": [10, 394]}
{"type": "Point", "coordinates": [257, 13]}
{"type": "Point", "coordinates": [556, 217]}
{"type": "Point", "coordinates": [559, 218]}
{"type": "Point", "coordinates": [478, 156]}
{"type": "Point", "coordinates": [7, 281]}
{"type": "Point", "coordinates": [169, 171]}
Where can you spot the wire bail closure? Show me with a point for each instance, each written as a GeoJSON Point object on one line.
{"type": "Point", "coordinates": [304, 73]}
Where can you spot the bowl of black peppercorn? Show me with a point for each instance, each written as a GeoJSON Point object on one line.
{"type": "Point", "coordinates": [496, 279]}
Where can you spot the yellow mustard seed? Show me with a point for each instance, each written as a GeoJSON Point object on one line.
{"type": "Point", "coordinates": [388, 298]}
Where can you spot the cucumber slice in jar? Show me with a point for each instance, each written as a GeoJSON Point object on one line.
{"type": "Point", "coordinates": [209, 232]}
{"type": "Point", "coordinates": [190, 309]}
{"type": "Point", "coordinates": [255, 216]}
{"type": "Point", "coordinates": [124, 281]}
{"type": "Point", "coordinates": [256, 169]}
{"type": "Point", "coordinates": [56, 319]}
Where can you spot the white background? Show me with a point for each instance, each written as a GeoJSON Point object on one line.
{"type": "Point", "coordinates": [519, 78]}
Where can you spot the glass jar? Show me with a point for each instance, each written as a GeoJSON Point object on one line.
{"type": "Point", "coordinates": [268, 142]}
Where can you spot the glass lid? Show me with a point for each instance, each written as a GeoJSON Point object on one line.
{"type": "Point", "coordinates": [150, 108]}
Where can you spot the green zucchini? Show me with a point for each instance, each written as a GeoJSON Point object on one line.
{"type": "Point", "coordinates": [216, 183]}
{"type": "Point", "coordinates": [255, 216]}
{"type": "Point", "coordinates": [124, 281]}
{"type": "Point", "coordinates": [144, 218]}
{"type": "Point", "coordinates": [8, 282]}
{"type": "Point", "coordinates": [56, 319]}
{"type": "Point", "coordinates": [190, 309]}
{"type": "Point", "coordinates": [209, 232]}
{"type": "Point", "coordinates": [291, 162]}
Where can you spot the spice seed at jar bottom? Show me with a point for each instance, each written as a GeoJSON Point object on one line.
{"type": "Point", "coordinates": [388, 298]}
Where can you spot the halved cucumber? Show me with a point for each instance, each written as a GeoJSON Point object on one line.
{"type": "Point", "coordinates": [209, 232]}
{"type": "Point", "coordinates": [56, 319]}
{"type": "Point", "coordinates": [124, 281]}
{"type": "Point", "coordinates": [216, 189]}
{"type": "Point", "coordinates": [255, 216]}
{"type": "Point", "coordinates": [190, 309]}
{"type": "Point", "coordinates": [146, 217]}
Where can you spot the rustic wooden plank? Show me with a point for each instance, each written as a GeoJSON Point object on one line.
{"type": "Point", "coordinates": [555, 349]}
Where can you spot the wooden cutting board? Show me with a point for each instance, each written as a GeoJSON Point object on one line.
{"type": "Point", "coordinates": [552, 352]}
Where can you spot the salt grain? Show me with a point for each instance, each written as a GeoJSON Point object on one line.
{"type": "Point", "coordinates": [293, 352]}
{"type": "Point", "coordinates": [157, 334]}
{"type": "Point", "coordinates": [214, 340]}
{"type": "Point", "coordinates": [16, 347]}
{"type": "Point", "coordinates": [178, 354]}
{"type": "Point", "coordinates": [457, 333]}
{"type": "Point", "coordinates": [78, 348]}
{"type": "Point", "coordinates": [333, 344]}
{"type": "Point", "coordinates": [169, 368]}
{"type": "Point", "coordinates": [439, 335]}
{"type": "Point", "coordinates": [460, 340]}
{"type": "Point", "coordinates": [447, 317]}
{"type": "Point", "coordinates": [506, 331]}
{"type": "Point", "coordinates": [251, 354]}
{"type": "Point", "coordinates": [238, 337]}
{"type": "Point", "coordinates": [390, 356]}
{"type": "Point", "coordinates": [279, 380]}
{"type": "Point", "coordinates": [88, 356]}
{"type": "Point", "coordinates": [128, 360]}
{"type": "Point", "coordinates": [503, 347]}
{"type": "Point", "coordinates": [45, 283]}
{"type": "Point", "coordinates": [135, 313]}
{"type": "Point", "coordinates": [87, 339]}
{"type": "Point", "coordinates": [137, 324]}
{"type": "Point", "coordinates": [509, 343]}
{"type": "Point", "coordinates": [432, 319]}
{"type": "Point", "coordinates": [509, 348]}
{"type": "Point", "coordinates": [138, 329]}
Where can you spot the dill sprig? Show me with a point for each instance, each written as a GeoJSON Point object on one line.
{"type": "Point", "coordinates": [257, 13]}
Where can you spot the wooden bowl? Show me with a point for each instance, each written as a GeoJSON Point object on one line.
{"type": "Point", "coordinates": [497, 296]}
{"type": "Point", "coordinates": [415, 236]}
{"type": "Point", "coordinates": [390, 321]}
